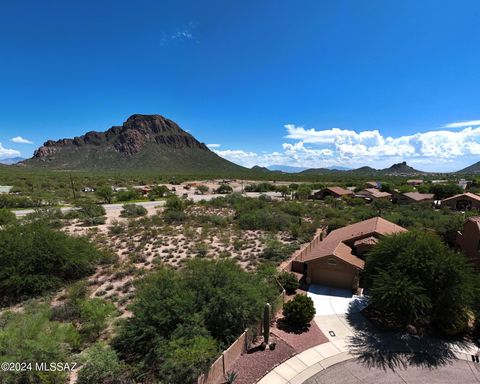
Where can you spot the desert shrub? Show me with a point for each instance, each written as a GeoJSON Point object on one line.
{"type": "Point", "coordinates": [92, 214]}
{"type": "Point", "coordinates": [300, 311]}
{"type": "Point", "coordinates": [32, 337]}
{"type": "Point", "coordinates": [93, 316]}
{"type": "Point", "coordinates": [7, 216]}
{"type": "Point", "coordinates": [50, 216]}
{"type": "Point", "coordinates": [158, 192]}
{"type": "Point", "coordinates": [174, 210]}
{"type": "Point", "coordinates": [224, 189]}
{"type": "Point", "coordinates": [419, 280]}
{"type": "Point", "coordinates": [100, 365]}
{"type": "Point", "coordinates": [128, 195]}
{"type": "Point", "coordinates": [289, 282]}
{"type": "Point", "coordinates": [275, 250]}
{"type": "Point", "coordinates": [133, 210]}
{"type": "Point", "coordinates": [35, 259]}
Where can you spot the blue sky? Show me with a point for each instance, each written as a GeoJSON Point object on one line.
{"type": "Point", "coordinates": [307, 83]}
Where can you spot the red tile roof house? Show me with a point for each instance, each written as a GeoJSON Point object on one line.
{"type": "Point", "coordinates": [413, 197]}
{"type": "Point", "coordinates": [463, 202]}
{"type": "Point", "coordinates": [332, 191]}
{"type": "Point", "coordinates": [374, 194]}
{"type": "Point", "coordinates": [337, 261]}
{"type": "Point", "coordinates": [468, 240]}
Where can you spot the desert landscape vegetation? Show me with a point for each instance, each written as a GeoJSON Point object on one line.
{"type": "Point", "coordinates": [146, 277]}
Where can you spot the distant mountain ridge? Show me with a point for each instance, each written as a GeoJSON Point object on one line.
{"type": "Point", "coordinates": [11, 160]}
{"type": "Point", "coordinates": [472, 169]}
{"type": "Point", "coordinates": [396, 169]}
{"type": "Point", "coordinates": [143, 142]}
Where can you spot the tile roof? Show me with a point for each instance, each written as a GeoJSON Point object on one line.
{"type": "Point", "coordinates": [417, 196]}
{"type": "Point", "coordinates": [334, 243]}
{"type": "Point", "coordinates": [466, 194]}
{"type": "Point", "coordinates": [367, 240]}
{"type": "Point", "coordinates": [339, 190]}
{"type": "Point", "coordinates": [374, 193]}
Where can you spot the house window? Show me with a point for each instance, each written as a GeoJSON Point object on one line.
{"type": "Point", "coordinates": [332, 261]}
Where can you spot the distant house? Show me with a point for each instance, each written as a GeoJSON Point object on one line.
{"type": "Point", "coordinates": [375, 194]}
{"type": "Point", "coordinates": [373, 184]}
{"type": "Point", "coordinates": [88, 189]}
{"type": "Point", "coordinates": [415, 182]}
{"type": "Point", "coordinates": [468, 240]}
{"type": "Point", "coordinates": [5, 188]}
{"type": "Point", "coordinates": [413, 198]}
{"type": "Point", "coordinates": [332, 191]}
{"type": "Point", "coordinates": [119, 189]}
{"type": "Point", "coordinates": [463, 202]}
{"type": "Point", "coordinates": [338, 260]}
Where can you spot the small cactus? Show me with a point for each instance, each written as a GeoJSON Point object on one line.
{"type": "Point", "coordinates": [266, 324]}
{"type": "Point", "coordinates": [230, 377]}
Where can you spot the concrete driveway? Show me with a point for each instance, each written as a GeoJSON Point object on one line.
{"type": "Point", "coordinates": [334, 301]}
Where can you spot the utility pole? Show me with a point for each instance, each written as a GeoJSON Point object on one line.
{"type": "Point", "coordinates": [73, 188]}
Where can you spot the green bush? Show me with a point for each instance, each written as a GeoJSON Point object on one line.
{"type": "Point", "coordinates": [31, 337]}
{"type": "Point", "coordinates": [100, 365]}
{"type": "Point", "coordinates": [35, 259]}
{"type": "Point", "coordinates": [275, 250]}
{"type": "Point", "coordinates": [133, 210]}
{"type": "Point", "coordinates": [7, 216]}
{"type": "Point", "coordinates": [224, 189]}
{"type": "Point", "coordinates": [93, 316]}
{"type": "Point", "coordinates": [289, 282]}
{"type": "Point", "coordinates": [299, 312]}
{"type": "Point", "coordinates": [92, 214]}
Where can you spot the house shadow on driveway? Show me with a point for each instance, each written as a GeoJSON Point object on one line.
{"type": "Point", "coordinates": [394, 350]}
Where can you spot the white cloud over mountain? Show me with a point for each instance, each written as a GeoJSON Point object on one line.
{"type": "Point", "coordinates": [336, 146]}
{"type": "Point", "coordinates": [6, 152]}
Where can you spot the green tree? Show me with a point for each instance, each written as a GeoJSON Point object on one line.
{"type": "Point", "coordinates": [35, 259]}
{"type": "Point", "coordinates": [418, 279]}
{"type": "Point", "coordinates": [289, 282]}
{"type": "Point", "coordinates": [303, 192]}
{"type": "Point", "coordinates": [105, 193]}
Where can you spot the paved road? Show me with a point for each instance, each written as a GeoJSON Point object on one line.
{"type": "Point", "coordinates": [108, 207]}
{"type": "Point", "coordinates": [354, 372]}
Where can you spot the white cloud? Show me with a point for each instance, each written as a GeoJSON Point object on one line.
{"type": "Point", "coordinates": [6, 152]}
{"type": "Point", "coordinates": [21, 140]}
{"type": "Point", "coordinates": [463, 124]}
{"type": "Point", "coordinates": [213, 145]}
{"type": "Point", "coordinates": [336, 146]}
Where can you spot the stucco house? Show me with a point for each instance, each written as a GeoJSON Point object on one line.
{"type": "Point", "coordinates": [332, 191]}
{"type": "Point", "coordinates": [338, 259]}
{"type": "Point", "coordinates": [413, 198]}
{"type": "Point", "coordinates": [375, 194]}
{"type": "Point", "coordinates": [463, 202]}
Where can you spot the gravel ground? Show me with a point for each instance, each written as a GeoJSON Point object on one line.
{"type": "Point", "coordinates": [353, 372]}
{"type": "Point", "coordinates": [250, 367]}
{"type": "Point", "coordinates": [301, 341]}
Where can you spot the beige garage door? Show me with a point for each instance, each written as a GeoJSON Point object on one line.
{"type": "Point", "coordinates": [332, 278]}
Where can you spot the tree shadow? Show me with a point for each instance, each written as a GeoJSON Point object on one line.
{"type": "Point", "coordinates": [395, 350]}
{"type": "Point", "coordinates": [285, 326]}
